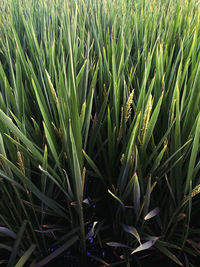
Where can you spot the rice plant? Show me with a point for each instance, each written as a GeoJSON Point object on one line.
{"type": "Point", "coordinates": [99, 132]}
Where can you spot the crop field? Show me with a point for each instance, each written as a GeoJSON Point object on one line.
{"type": "Point", "coordinates": [99, 133]}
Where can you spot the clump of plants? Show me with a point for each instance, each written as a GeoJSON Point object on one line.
{"type": "Point", "coordinates": [99, 133]}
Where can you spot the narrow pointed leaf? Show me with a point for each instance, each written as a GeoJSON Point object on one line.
{"type": "Point", "coordinates": [25, 256]}
{"type": "Point", "coordinates": [7, 232]}
{"type": "Point", "coordinates": [144, 246]}
{"type": "Point", "coordinates": [151, 214]}
{"type": "Point", "coordinates": [132, 230]}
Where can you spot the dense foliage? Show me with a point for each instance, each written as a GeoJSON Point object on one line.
{"type": "Point", "coordinates": [99, 132]}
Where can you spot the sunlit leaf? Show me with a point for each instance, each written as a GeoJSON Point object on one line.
{"type": "Point", "coordinates": [132, 230]}
{"type": "Point", "coordinates": [152, 214]}
{"type": "Point", "coordinates": [144, 246]}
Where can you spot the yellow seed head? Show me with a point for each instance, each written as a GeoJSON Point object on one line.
{"type": "Point", "coordinates": [146, 118]}
{"type": "Point", "coordinates": [128, 106]}
{"type": "Point", "coordinates": [52, 89]}
{"type": "Point", "coordinates": [122, 158]}
{"type": "Point", "coordinates": [83, 176]}
{"type": "Point", "coordinates": [20, 162]}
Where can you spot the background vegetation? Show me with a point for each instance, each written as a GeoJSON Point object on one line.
{"type": "Point", "coordinates": [99, 132]}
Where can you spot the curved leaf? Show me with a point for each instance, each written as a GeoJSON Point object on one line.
{"type": "Point", "coordinates": [132, 230]}
{"type": "Point", "coordinates": [152, 214]}
{"type": "Point", "coordinates": [144, 246]}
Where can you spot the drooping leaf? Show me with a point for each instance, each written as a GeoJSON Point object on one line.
{"type": "Point", "coordinates": [115, 197]}
{"type": "Point", "coordinates": [152, 214]}
{"type": "Point", "coordinates": [7, 232]}
{"type": "Point", "coordinates": [144, 246]}
{"type": "Point", "coordinates": [132, 230]}
{"type": "Point", "coordinates": [170, 255]}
